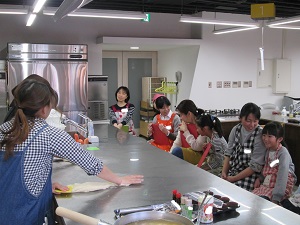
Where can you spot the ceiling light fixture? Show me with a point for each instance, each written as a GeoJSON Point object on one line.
{"type": "Point", "coordinates": [13, 10]}
{"type": "Point", "coordinates": [101, 14]}
{"type": "Point", "coordinates": [109, 14]}
{"type": "Point", "coordinates": [190, 19]}
{"type": "Point", "coordinates": [134, 48]}
{"type": "Point", "coordinates": [68, 6]}
{"type": "Point", "coordinates": [31, 19]}
{"type": "Point", "coordinates": [284, 21]}
{"type": "Point", "coordinates": [233, 29]}
{"type": "Point", "coordinates": [38, 4]}
{"type": "Point", "coordinates": [285, 27]}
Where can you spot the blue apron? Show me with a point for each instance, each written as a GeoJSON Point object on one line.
{"type": "Point", "coordinates": [18, 205]}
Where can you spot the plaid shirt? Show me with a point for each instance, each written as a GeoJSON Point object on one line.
{"type": "Point", "coordinates": [39, 155]}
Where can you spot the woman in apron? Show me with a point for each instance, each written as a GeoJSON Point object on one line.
{"type": "Point", "coordinates": [121, 113]}
{"type": "Point", "coordinates": [27, 147]}
{"type": "Point", "coordinates": [278, 177]}
{"type": "Point", "coordinates": [164, 127]}
{"type": "Point", "coordinates": [244, 158]}
{"type": "Point", "coordinates": [188, 144]}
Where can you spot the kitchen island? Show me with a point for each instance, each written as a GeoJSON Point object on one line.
{"type": "Point", "coordinates": [163, 172]}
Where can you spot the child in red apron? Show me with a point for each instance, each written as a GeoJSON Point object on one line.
{"type": "Point", "coordinates": [165, 125]}
{"type": "Point", "coordinates": [188, 144]}
{"type": "Point", "coordinates": [278, 178]}
{"type": "Point", "coordinates": [121, 113]}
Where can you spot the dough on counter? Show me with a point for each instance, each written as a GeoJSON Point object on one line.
{"type": "Point", "coordinates": [91, 186]}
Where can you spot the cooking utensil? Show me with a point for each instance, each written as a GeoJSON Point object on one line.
{"type": "Point", "coordinates": [78, 217]}
{"type": "Point", "coordinates": [153, 215]}
{"type": "Point", "coordinates": [165, 207]}
{"type": "Point", "coordinates": [149, 215]}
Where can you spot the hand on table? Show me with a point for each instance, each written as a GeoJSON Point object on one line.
{"type": "Point", "coordinates": [132, 179]}
{"type": "Point", "coordinates": [58, 186]}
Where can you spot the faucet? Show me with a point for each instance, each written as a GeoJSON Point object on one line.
{"type": "Point", "coordinates": [86, 128]}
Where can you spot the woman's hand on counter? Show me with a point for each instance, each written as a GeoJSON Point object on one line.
{"type": "Point", "coordinates": [132, 179]}
{"type": "Point", "coordinates": [58, 186]}
{"type": "Point", "coordinates": [107, 174]}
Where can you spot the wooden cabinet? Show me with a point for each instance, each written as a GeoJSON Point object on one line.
{"type": "Point", "coordinates": [146, 116]}
{"type": "Point", "coordinates": [227, 127]}
{"type": "Point", "coordinates": [281, 76]}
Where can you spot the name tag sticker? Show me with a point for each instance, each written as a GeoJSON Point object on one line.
{"type": "Point", "coordinates": [247, 150]}
{"type": "Point", "coordinates": [124, 110]}
{"type": "Point", "coordinates": [168, 127]}
{"type": "Point", "coordinates": [273, 163]}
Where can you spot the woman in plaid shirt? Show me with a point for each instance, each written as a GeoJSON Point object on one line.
{"type": "Point", "coordinates": [28, 145]}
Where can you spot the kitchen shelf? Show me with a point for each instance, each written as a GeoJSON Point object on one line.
{"type": "Point", "coordinates": [146, 116]}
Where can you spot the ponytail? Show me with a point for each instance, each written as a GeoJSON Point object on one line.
{"type": "Point", "coordinates": [211, 121]}
{"type": "Point", "coordinates": [30, 97]}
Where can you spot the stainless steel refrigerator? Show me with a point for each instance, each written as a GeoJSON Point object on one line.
{"type": "Point", "coordinates": [64, 66]}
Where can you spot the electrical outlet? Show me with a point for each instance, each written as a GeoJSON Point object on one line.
{"type": "Point", "coordinates": [219, 84]}
{"type": "Point", "coordinates": [227, 84]}
{"type": "Point", "coordinates": [246, 84]}
{"type": "Point", "coordinates": [209, 84]}
{"type": "Point", "coordinates": [234, 84]}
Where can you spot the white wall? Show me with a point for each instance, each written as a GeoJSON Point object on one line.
{"type": "Point", "coordinates": [233, 57]}
{"type": "Point", "coordinates": [181, 59]}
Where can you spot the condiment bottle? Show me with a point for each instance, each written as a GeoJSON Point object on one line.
{"type": "Point", "coordinates": [178, 198]}
{"type": "Point", "coordinates": [174, 194]}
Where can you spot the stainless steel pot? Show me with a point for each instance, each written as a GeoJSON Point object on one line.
{"type": "Point", "coordinates": [134, 217]}
{"type": "Point", "coordinates": [152, 215]}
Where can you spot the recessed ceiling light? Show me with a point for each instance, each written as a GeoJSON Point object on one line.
{"type": "Point", "coordinates": [134, 160]}
{"type": "Point", "coordinates": [134, 47]}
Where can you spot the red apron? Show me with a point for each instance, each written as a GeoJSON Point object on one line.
{"type": "Point", "coordinates": [165, 147]}
{"type": "Point", "coordinates": [193, 130]}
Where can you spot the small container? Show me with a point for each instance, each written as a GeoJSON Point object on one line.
{"type": "Point", "coordinates": [206, 214]}
{"type": "Point", "coordinates": [283, 111]}
{"type": "Point", "coordinates": [291, 113]}
{"type": "Point", "coordinates": [91, 128]}
{"type": "Point", "coordinates": [189, 213]}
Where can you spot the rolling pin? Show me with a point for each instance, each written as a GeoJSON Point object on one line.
{"type": "Point", "coordinates": [78, 217]}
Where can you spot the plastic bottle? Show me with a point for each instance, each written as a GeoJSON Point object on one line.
{"type": "Point", "coordinates": [283, 111]}
{"type": "Point", "coordinates": [174, 192]}
{"type": "Point", "coordinates": [90, 128]}
{"type": "Point", "coordinates": [178, 198]}
{"type": "Point", "coordinates": [291, 113]}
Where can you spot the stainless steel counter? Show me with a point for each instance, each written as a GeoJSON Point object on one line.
{"type": "Point", "coordinates": [163, 173]}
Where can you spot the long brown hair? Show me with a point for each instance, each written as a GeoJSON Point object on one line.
{"type": "Point", "coordinates": [30, 96]}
